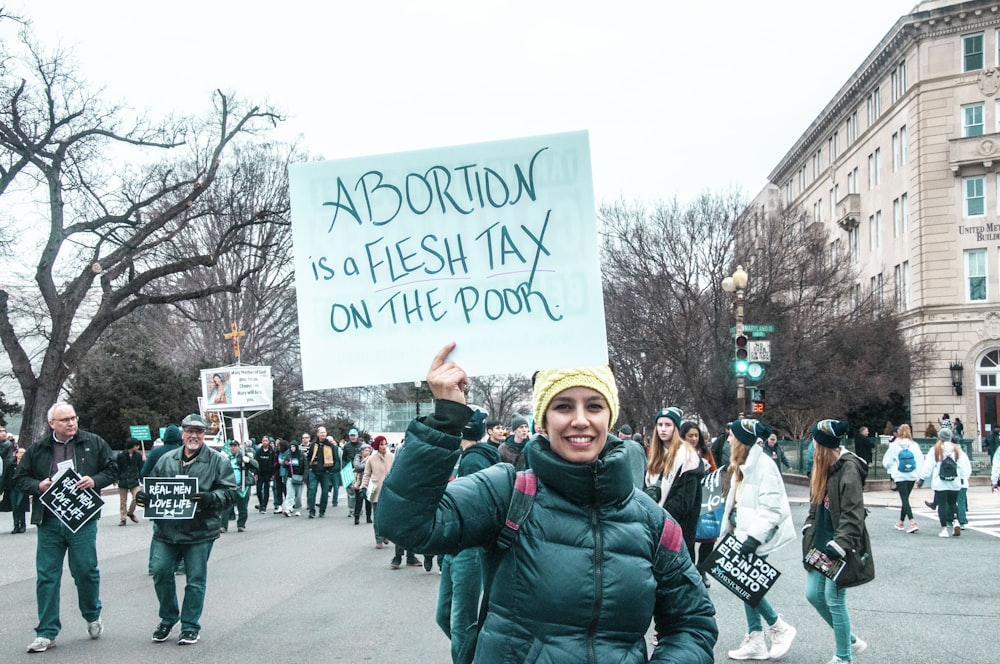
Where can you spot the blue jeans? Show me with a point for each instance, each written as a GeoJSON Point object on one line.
{"type": "Point", "coordinates": [457, 611]}
{"type": "Point", "coordinates": [322, 480]}
{"type": "Point", "coordinates": [963, 505]}
{"type": "Point", "coordinates": [831, 604]}
{"type": "Point", "coordinates": [335, 487]}
{"type": "Point", "coordinates": [165, 558]}
{"type": "Point", "coordinates": [762, 610]}
{"type": "Point", "coordinates": [54, 541]}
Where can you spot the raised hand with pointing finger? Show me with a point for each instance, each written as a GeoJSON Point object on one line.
{"type": "Point", "coordinates": [445, 378]}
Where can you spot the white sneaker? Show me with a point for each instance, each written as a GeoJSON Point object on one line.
{"type": "Point", "coordinates": [95, 629]}
{"type": "Point", "coordinates": [837, 660]}
{"type": "Point", "coordinates": [945, 532]}
{"type": "Point", "coordinates": [297, 513]}
{"type": "Point", "coordinates": [41, 644]}
{"type": "Point", "coordinates": [277, 510]}
{"type": "Point", "coordinates": [781, 635]}
{"type": "Point", "coordinates": [753, 647]}
{"type": "Point", "coordinates": [858, 647]}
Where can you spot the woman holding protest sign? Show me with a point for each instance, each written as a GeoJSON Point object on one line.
{"type": "Point", "coordinates": [758, 514]}
{"type": "Point", "coordinates": [712, 495]}
{"type": "Point", "coordinates": [835, 544]}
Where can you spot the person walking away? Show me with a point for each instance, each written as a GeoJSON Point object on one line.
{"type": "Point", "coordinates": [903, 461]}
{"type": "Point", "coordinates": [585, 521]}
{"type": "Point", "coordinates": [835, 526]}
{"type": "Point", "coordinates": [129, 462]}
{"type": "Point", "coordinates": [943, 467]}
{"type": "Point", "coordinates": [266, 457]}
{"type": "Point", "coordinates": [758, 514]}
{"type": "Point", "coordinates": [190, 539]}
{"type": "Point", "coordinates": [90, 456]}
{"type": "Point", "coordinates": [16, 499]}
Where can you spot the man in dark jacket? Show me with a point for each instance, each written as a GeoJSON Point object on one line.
{"type": "Point", "coordinates": [324, 463]}
{"type": "Point", "coordinates": [266, 457]}
{"type": "Point", "coordinates": [129, 462]}
{"type": "Point", "coordinates": [512, 449]}
{"type": "Point", "coordinates": [992, 441]}
{"type": "Point", "coordinates": [171, 441]}
{"type": "Point", "coordinates": [189, 539]}
{"type": "Point", "coordinates": [863, 445]}
{"type": "Point", "coordinates": [90, 456]}
{"type": "Point", "coordinates": [350, 450]}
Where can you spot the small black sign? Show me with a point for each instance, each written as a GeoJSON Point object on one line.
{"type": "Point", "coordinates": [170, 497]}
{"type": "Point", "coordinates": [748, 577]}
{"type": "Point", "coordinates": [74, 507]}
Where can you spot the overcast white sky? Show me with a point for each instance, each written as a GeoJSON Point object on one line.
{"type": "Point", "coordinates": [678, 97]}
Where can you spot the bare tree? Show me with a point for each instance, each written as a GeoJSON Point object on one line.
{"type": "Point", "coordinates": [501, 395]}
{"type": "Point", "coordinates": [129, 210]}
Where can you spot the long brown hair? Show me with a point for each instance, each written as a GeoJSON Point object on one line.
{"type": "Point", "coordinates": [738, 453]}
{"type": "Point", "coordinates": [823, 458]}
{"type": "Point", "coordinates": [662, 453]}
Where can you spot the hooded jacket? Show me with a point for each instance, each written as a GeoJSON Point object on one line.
{"type": "Point", "coordinates": [587, 524]}
{"type": "Point", "coordinates": [846, 503]}
{"type": "Point", "coordinates": [761, 505]}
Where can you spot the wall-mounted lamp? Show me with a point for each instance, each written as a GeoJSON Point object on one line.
{"type": "Point", "coordinates": [956, 377]}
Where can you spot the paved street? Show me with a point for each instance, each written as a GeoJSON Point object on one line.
{"type": "Point", "coordinates": [294, 589]}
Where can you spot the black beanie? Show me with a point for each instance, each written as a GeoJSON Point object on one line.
{"type": "Point", "coordinates": [747, 431]}
{"type": "Point", "coordinates": [829, 432]}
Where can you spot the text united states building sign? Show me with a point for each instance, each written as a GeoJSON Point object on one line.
{"type": "Point", "coordinates": [484, 244]}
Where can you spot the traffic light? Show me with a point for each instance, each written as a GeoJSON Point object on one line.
{"type": "Point", "coordinates": [741, 356]}
{"type": "Point", "coordinates": [758, 400]}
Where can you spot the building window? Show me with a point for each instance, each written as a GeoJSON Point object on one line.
{"type": "Point", "coordinates": [854, 244]}
{"type": "Point", "coordinates": [871, 172]}
{"type": "Point", "coordinates": [897, 282]}
{"type": "Point", "coordinates": [972, 120]}
{"type": "Point", "coordinates": [878, 166]}
{"type": "Point", "coordinates": [855, 297]}
{"type": "Point", "coordinates": [871, 233]}
{"type": "Point", "coordinates": [906, 285]}
{"type": "Point", "coordinates": [975, 196]}
{"type": "Point", "coordinates": [902, 145]}
{"type": "Point", "coordinates": [878, 228]}
{"type": "Point", "coordinates": [988, 370]}
{"type": "Point", "coordinates": [897, 218]}
{"type": "Point", "coordinates": [854, 187]}
{"type": "Point", "coordinates": [972, 52]}
{"type": "Point", "coordinates": [836, 146]}
{"type": "Point", "coordinates": [904, 203]}
{"type": "Point", "coordinates": [902, 78]}
{"type": "Point", "coordinates": [852, 127]}
{"type": "Point", "coordinates": [975, 273]}
{"type": "Point", "coordinates": [834, 252]}
{"type": "Point", "coordinates": [895, 151]}
{"type": "Point", "coordinates": [788, 193]}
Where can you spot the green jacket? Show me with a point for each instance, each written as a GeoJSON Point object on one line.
{"type": "Point", "coordinates": [578, 585]}
{"type": "Point", "coordinates": [844, 491]}
{"type": "Point", "coordinates": [92, 457]}
{"type": "Point", "coordinates": [215, 477]}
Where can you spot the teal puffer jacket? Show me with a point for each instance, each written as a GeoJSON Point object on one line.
{"type": "Point", "coordinates": [579, 584]}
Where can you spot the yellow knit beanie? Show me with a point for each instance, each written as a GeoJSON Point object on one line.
{"type": "Point", "coordinates": [549, 383]}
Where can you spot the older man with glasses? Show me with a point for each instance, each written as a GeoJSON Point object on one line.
{"type": "Point", "coordinates": [189, 539]}
{"type": "Point", "coordinates": [90, 456]}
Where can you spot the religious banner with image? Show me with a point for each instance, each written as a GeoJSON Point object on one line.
{"type": "Point", "coordinates": [73, 506]}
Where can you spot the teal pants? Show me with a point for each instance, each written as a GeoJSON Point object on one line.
{"type": "Point", "coordinates": [195, 558]}
{"type": "Point", "coordinates": [55, 541]}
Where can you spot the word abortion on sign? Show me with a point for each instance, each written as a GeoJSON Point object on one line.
{"type": "Point", "coordinates": [170, 497]}
{"type": "Point", "coordinates": [749, 577]}
{"type": "Point", "coordinates": [73, 506]}
{"type": "Point", "coordinates": [478, 244]}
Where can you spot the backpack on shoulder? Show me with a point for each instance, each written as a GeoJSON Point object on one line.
{"type": "Point", "coordinates": [949, 469]}
{"type": "Point", "coordinates": [906, 462]}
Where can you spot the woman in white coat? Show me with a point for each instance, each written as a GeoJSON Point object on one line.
{"type": "Point", "coordinates": [758, 514]}
{"type": "Point", "coordinates": [945, 490]}
{"type": "Point", "coordinates": [904, 461]}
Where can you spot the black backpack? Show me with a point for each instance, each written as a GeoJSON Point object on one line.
{"type": "Point", "coordinates": [949, 469]}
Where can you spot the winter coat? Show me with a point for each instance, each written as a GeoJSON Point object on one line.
{"type": "Point", "coordinates": [932, 469]}
{"type": "Point", "coordinates": [513, 453]}
{"type": "Point", "coordinates": [376, 470]}
{"type": "Point", "coordinates": [761, 504]}
{"type": "Point", "coordinates": [680, 492]}
{"type": "Point", "coordinates": [215, 477]}
{"type": "Point", "coordinates": [890, 460]}
{"type": "Point", "coordinates": [129, 468]}
{"type": "Point", "coordinates": [91, 457]}
{"type": "Point", "coordinates": [476, 458]}
{"type": "Point", "coordinates": [846, 504]}
{"type": "Point", "coordinates": [241, 468]}
{"type": "Point", "coordinates": [578, 584]}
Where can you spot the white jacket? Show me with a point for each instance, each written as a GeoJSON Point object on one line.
{"type": "Point", "coordinates": [890, 460]}
{"type": "Point", "coordinates": [995, 473]}
{"type": "Point", "coordinates": [762, 509]}
{"type": "Point", "coordinates": [932, 468]}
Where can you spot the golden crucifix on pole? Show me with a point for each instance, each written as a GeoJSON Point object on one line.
{"type": "Point", "coordinates": [235, 335]}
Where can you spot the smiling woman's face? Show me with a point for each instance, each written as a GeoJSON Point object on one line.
{"type": "Point", "coordinates": [577, 422]}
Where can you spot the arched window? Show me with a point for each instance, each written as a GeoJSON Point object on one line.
{"type": "Point", "coordinates": [988, 370]}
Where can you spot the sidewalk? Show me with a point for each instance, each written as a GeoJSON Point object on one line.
{"type": "Point", "coordinates": [980, 497]}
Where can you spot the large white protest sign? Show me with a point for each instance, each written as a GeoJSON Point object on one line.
{"type": "Point", "coordinates": [236, 387]}
{"type": "Point", "coordinates": [492, 245]}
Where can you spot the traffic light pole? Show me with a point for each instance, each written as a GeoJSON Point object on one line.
{"type": "Point", "coordinates": [741, 399]}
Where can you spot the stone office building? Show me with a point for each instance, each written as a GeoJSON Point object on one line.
{"type": "Point", "coordinates": [902, 169]}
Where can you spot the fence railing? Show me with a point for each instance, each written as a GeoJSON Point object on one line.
{"type": "Point", "coordinates": [801, 460]}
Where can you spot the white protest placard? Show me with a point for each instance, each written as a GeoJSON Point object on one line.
{"type": "Point", "coordinates": [236, 387]}
{"type": "Point", "coordinates": [491, 245]}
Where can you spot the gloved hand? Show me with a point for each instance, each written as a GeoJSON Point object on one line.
{"type": "Point", "coordinates": [141, 498]}
{"type": "Point", "coordinates": [246, 459]}
{"type": "Point", "coordinates": [204, 499]}
{"type": "Point", "coordinates": [654, 491]}
{"type": "Point", "coordinates": [750, 545]}
{"type": "Point", "coordinates": [363, 493]}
